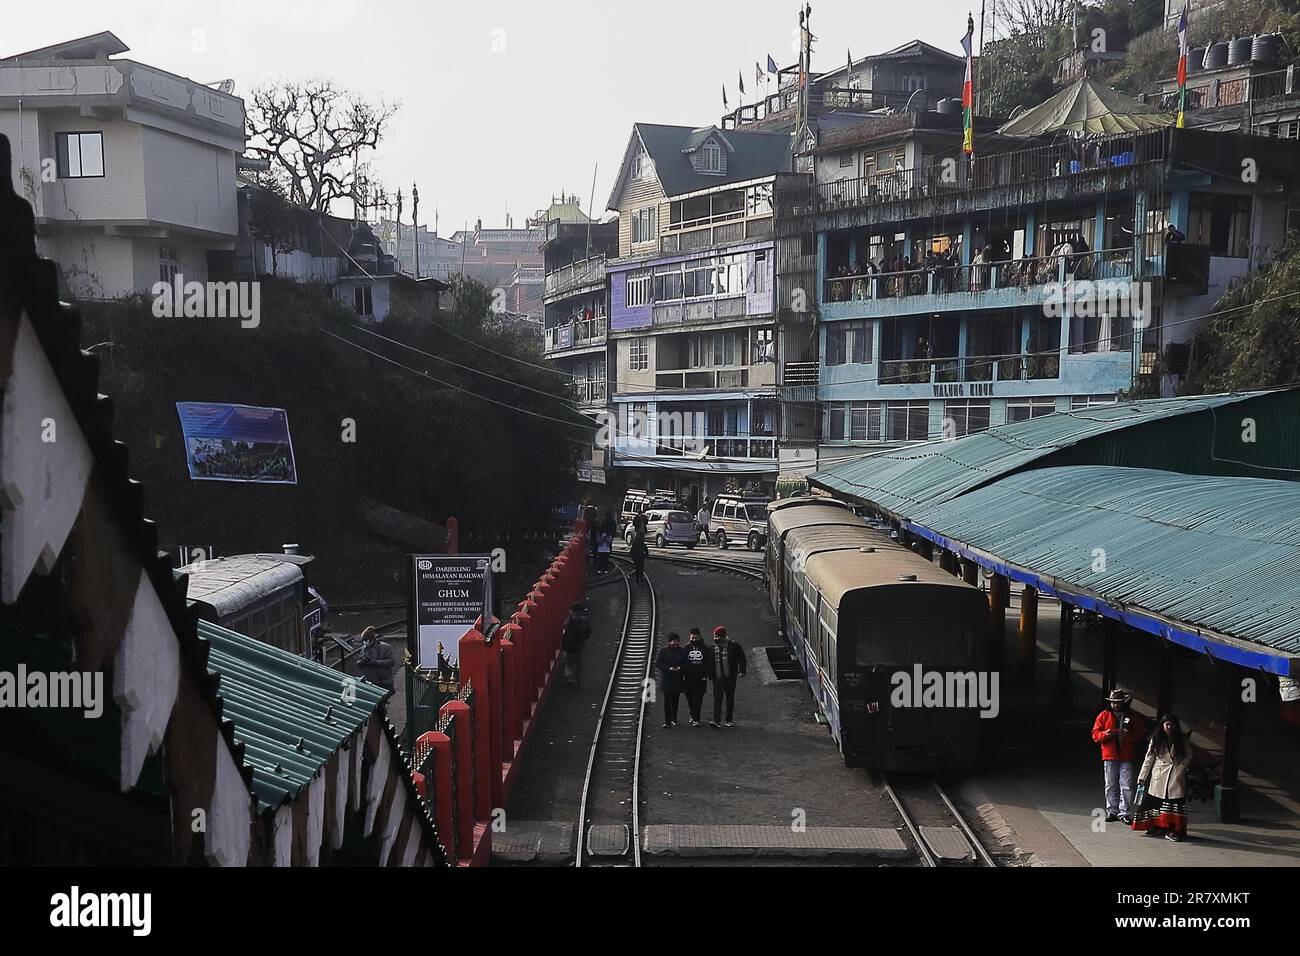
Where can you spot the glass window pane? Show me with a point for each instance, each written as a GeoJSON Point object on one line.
{"type": "Point", "coordinates": [92, 154]}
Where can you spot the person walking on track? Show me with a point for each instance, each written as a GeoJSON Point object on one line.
{"type": "Point", "coordinates": [1120, 734]}
{"type": "Point", "coordinates": [696, 672]}
{"type": "Point", "coordinates": [1162, 784]}
{"type": "Point", "coordinates": [577, 631]}
{"type": "Point", "coordinates": [671, 663]}
{"type": "Point", "coordinates": [639, 552]}
{"type": "Point", "coordinates": [726, 662]}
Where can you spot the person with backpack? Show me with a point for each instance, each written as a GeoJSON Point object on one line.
{"type": "Point", "coordinates": [671, 663]}
{"type": "Point", "coordinates": [726, 663]}
{"type": "Point", "coordinates": [577, 631]}
{"type": "Point", "coordinates": [696, 673]}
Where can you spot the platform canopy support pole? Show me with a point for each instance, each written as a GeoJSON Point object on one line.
{"type": "Point", "coordinates": [1227, 796]}
{"type": "Point", "coordinates": [1165, 696]}
{"type": "Point", "coordinates": [999, 599]}
{"type": "Point", "coordinates": [1110, 655]}
{"type": "Point", "coordinates": [1028, 634]}
{"type": "Point", "coordinates": [1064, 654]}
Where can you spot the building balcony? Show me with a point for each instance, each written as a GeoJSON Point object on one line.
{"type": "Point", "coordinates": [591, 392]}
{"type": "Point", "coordinates": [729, 378]}
{"type": "Point", "coordinates": [1019, 368]}
{"type": "Point", "coordinates": [718, 231]}
{"type": "Point", "coordinates": [690, 311]}
{"type": "Point", "coordinates": [586, 333]}
{"type": "Point", "coordinates": [799, 381]}
{"type": "Point", "coordinates": [1001, 285]}
{"type": "Point", "coordinates": [581, 276]}
{"type": "Point", "coordinates": [761, 448]}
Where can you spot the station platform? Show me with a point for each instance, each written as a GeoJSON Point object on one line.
{"type": "Point", "coordinates": [1041, 793]}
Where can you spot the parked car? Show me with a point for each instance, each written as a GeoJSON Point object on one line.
{"type": "Point", "coordinates": [733, 518]}
{"type": "Point", "coordinates": [637, 502]}
{"type": "Point", "coordinates": [669, 526]}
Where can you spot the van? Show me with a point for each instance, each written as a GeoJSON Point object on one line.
{"type": "Point", "coordinates": [637, 502]}
{"type": "Point", "coordinates": [733, 518]}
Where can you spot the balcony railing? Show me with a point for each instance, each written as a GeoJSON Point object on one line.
{"type": "Point", "coordinates": [1018, 368]}
{"type": "Point", "coordinates": [760, 448]}
{"type": "Point", "coordinates": [1217, 94]}
{"type": "Point", "coordinates": [575, 275]}
{"type": "Point", "coordinates": [731, 377]}
{"type": "Point", "coordinates": [574, 335]}
{"type": "Point", "coordinates": [1017, 167]}
{"type": "Point", "coordinates": [719, 233]}
{"type": "Point", "coordinates": [699, 310]}
{"type": "Point", "coordinates": [590, 392]}
{"type": "Point", "coordinates": [980, 277]}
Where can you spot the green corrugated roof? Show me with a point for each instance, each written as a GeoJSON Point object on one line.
{"type": "Point", "coordinates": [1217, 553]}
{"type": "Point", "coordinates": [289, 713]}
{"type": "Point", "coordinates": [919, 475]}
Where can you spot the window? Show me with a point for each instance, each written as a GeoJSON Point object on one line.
{"type": "Point", "coordinates": [168, 263]}
{"type": "Point", "coordinates": [760, 272]}
{"type": "Point", "coordinates": [865, 420]}
{"type": "Point", "coordinates": [907, 421]}
{"type": "Point", "coordinates": [758, 200]}
{"type": "Point", "coordinates": [966, 417]}
{"type": "Point", "coordinates": [848, 343]}
{"type": "Point", "coordinates": [1221, 222]}
{"type": "Point", "coordinates": [846, 159]}
{"type": "Point", "coordinates": [912, 80]}
{"type": "Point", "coordinates": [639, 355]}
{"type": "Point", "coordinates": [835, 412]}
{"type": "Point", "coordinates": [1088, 401]}
{"type": "Point", "coordinates": [638, 288]}
{"type": "Point", "coordinates": [763, 347]}
{"type": "Point", "coordinates": [643, 224]}
{"type": "Point", "coordinates": [362, 300]}
{"type": "Point", "coordinates": [80, 155]}
{"type": "Point", "coordinates": [711, 349]}
{"type": "Point", "coordinates": [1023, 409]}
{"type": "Point", "coordinates": [641, 167]}
{"type": "Point", "coordinates": [712, 157]}
{"type": "Point", "coordinates": [636, 424]}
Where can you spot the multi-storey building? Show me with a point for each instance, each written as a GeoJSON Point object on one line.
{"type": "Point", "coordinates": [130, 169]}
{"type": "Point", "coordinates": [692, 309]}
{"type": "Point", "coordinates": [944, 296]}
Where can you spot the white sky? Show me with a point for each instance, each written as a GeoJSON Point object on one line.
{"type": "Point", "coordinates": [482, 131]}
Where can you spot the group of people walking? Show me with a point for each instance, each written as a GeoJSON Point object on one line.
{"type": "Point", "coordinates": [690, 669]}
{"type": "Point", "coordinates": [1158, 804]}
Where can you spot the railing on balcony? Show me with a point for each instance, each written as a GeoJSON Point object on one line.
{"type": "Point", "coordinates": [980, 277]}
{"type": "Point", "coordinates": [590, 392]}
{"type": "Point", "coordinates": [1017, 167]}
{"type": "Point", "coordinates": [575, 275]}
{"type": "Point", "coordinates": [1217, 93]}
{"type": "Point", "coordinates": [699, 310]}
{"type": "Point", "coordinates": [730, 377]}
{"type": "Point", "coordinates": [577, 334]}
{"type": "Point", "coordinates": [933, 371]}
{"type": "Point", "coordinates": [761, 448]}
{"type": "Point", "coordinates": [798, 374]}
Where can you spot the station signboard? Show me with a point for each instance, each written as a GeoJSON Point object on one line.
{"type": "Point", "coordinates": [448, 594]}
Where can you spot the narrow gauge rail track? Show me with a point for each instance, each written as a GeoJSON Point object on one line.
{"type": "Point", "coordinates": [935, 824]}
{"type": "Point", "coordinates": [713, 564]}
{"type": "Point", "coordinates": [609, 814]}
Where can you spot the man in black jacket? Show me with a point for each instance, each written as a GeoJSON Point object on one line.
{"type": "Point", "coordinates": [577, 629]}
{"type": "Point", "coordinates": [726, 662]}
{"type": "Point", "coordinates": [671, 663]}
{"type": "Point", "coordinates": [696, 671]}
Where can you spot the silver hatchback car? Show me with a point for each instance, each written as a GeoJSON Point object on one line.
{"type": "Point", "coordinates": [665, 527]}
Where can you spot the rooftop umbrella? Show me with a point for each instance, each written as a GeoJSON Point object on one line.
{"type": "Point", "coordinates": [1087, 107]}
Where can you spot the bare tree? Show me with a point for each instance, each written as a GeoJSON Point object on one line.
{"type": "Point", "coordinates": [1032, 18]}
{"type": "Point", "coordinates": [315, 138]}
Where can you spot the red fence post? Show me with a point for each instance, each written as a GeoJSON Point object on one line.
{"type": "Point", "coordinates": [462, 787]}
{"type": "Point", "coordinates": [481, 665]}
{"type": "Point", "coordinates": [441, 790]}
{"type": "Point", "coordinates": [526, 637]}
{"type": "Point", "coordinates": [513, 680]}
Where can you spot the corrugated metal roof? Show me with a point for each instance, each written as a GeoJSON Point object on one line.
{"type": "Point", "coordinates": [1217, 553]}
{"type": "Point", "coordinates": [290, 713]}
{"type": "Point", "coordinates": [919, 475]}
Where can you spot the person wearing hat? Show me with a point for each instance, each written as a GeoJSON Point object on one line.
{"type": "Point", "coordinates": [376, 659]}
{"type": "Point", "coordinates": [1120, 733]}
{"type": "Point", "coordinates": [726, 662]}
{"type": "Point", "coordinates": [671, 663]}
{"type": "Point", "coordinates": [1163, 782]}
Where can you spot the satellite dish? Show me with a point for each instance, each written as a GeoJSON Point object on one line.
{"type": "Point", "coordinates": [226, 86]}
{"type": "Point", "coordinates": [917, 102]}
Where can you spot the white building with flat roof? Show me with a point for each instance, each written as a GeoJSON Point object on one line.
{"type": "Point", "coordinates": [130, 169]}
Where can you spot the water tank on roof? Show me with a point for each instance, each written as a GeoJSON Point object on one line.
{"type": "Point", "coordinates": [1264, 48]}
{"type": "Point", "coordinates": [1196, 59]}
{"type": "Point", "coordinates": [1216, 56]}
{"type": "Point", "coordinates": [950, 106]}
{"type": "Point", "coordinates": [1239, 51]}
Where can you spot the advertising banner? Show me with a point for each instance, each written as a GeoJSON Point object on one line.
{"type": "Point", "coordinates": [237, 443]}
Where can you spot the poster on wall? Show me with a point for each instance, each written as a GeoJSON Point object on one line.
{"type": "Point", "coordinates": [449, 594]}
{"type": "Point", "coordinates": [237, 443]}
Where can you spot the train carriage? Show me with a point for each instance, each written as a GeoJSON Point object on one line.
{"type": "Point", "coordinates": [873, 625]}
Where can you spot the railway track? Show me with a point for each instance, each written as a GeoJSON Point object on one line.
{"type": "Point", "coordinates": [713, 564]}
{"type": "Point", "coordinates": [609, 815]}
{"type": "Point", "coordinates": [941, 833]}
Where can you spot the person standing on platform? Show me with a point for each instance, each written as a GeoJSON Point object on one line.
{"type": "Point", "coordinates": [726, 663]}
{"type": "Point", "coordinates": [702, 520]}
{"type": "Point", "coordinates": [1120, 734]}
{"type": "Point", "coordinates": [376, 659]}
{"type": "Point", "coordinates": [639, 552]}
{"type": "Point", "coordinates": [696, 672]}
{"type": "Point", "coordinates": [671, 663]}
{"type": "Point", "coordinates": [589, 518]}
{"type": "Point", "coordinates": [1162, 784]}
{"type": "Point", "coordinates": [577, 631]}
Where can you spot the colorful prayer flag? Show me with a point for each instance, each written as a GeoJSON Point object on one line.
{"type": "Point", "coordinates": [1182, 68]}
{"type": "Point", "coordinates": [968, 92]}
